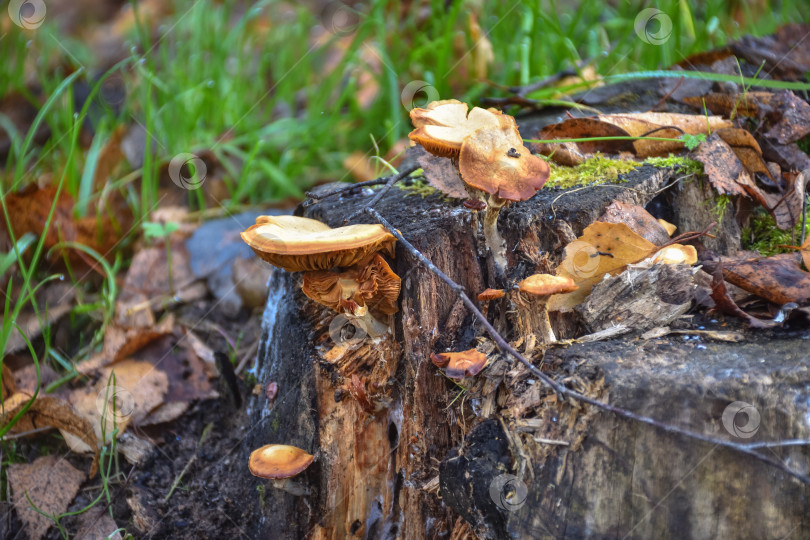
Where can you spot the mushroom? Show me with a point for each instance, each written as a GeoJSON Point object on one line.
{"type": "Point", "coordinates": [343, 269]}
{"type": "Point", "coordinates": [372, 285]}
{"type": "Point", "coordinates": [279, 463]}
{"type": "Point", "coordinates": [497, 168]}
{"type": "Point", "coordinates": [299, 244]}
{"type": "Point", "coordinates": [533, 294]}
{"type": "Point", "coordinates": [460, 364]}
{"type": "Point", "coordinates": [487, 149]}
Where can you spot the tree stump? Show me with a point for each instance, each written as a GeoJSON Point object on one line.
{"type": "Point", "coordinates": [404, 452]}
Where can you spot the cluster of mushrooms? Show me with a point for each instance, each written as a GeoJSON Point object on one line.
{"type": "Point", "coordinates": [343, 268]}
{"type": "Point", "coordinates": [487, 150]}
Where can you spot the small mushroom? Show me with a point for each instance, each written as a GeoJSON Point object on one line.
{"type": "Point", "coordinates": [460, 364]}
{"type": "Point", "coordinates": [676, 254]}
{"type": "Point", "coordinates": [442, 126]}
{"type": "Point", "coordinates": [491, 294]}
{"type": "Point", "coordinates": [533, 294]}
{"type": "Point", "coordinates": [279, 463]}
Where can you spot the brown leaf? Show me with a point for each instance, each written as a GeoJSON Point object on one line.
{"type": "Point", "coordinates": [746, 148]}
{"type": "Point", "coordinates": [724, 304]}
{"type": "Point", "coordinates": [49, 411]}
{"type": "Point", "coordinates": [8, 387]}
{"type": "Point", "coordinates": [785, 56]}
{"type": "Point", "coordinates": [794, 118]}
{"type": "Point", "coordinates": [442, 175]}
{"type": "Point", "coordinates": [54, 301]}
{"type": "Point", "coordinates": [51, 483]}
{"type": "Point", "coordinates": [725, 171]}
{"type": "Point", "coordinates": [638, 219]}
{"type": "Point", "coordinates": [729, 104]}
{"type": "Point", "coordinates": [778, 279]}
{"type": "Point", "coordinates": [787, 209]}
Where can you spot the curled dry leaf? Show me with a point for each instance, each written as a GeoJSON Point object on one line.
{"type": "Point", "coordinates": [660, 125]}
{"type": "Point", "coordinates": [725, 171]}
{"type": "Point", "coordinates": [51, 483]}
{"type": "Point", "coordinates": [723, 303]}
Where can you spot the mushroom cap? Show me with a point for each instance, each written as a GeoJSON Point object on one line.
{"type": "Point", "coordinates": [276, 461]}
{"type": "Point", "coordinates": [299, 244]}
{"type": "Point", "coordinates": [676, 254]}
{"type": "Point", "coordinates": [497, 162]}
{"type": "Point", "coordinates": [491, 294]}
{"type": "Point", "coordinates": [370, 284]}
{"type": "Point", "coordinates": [442, 126]}
{"type": "Point", "coordinates": [460, 364]}
{"type": "Point", "coordinates": [546, 284]}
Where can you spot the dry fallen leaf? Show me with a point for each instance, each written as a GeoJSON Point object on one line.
{"type": "Point", "coordinates": [96, 524]}
{"type": "Point", "coordinates": [54, 301]}
{"type": "Point", "coordinates": [778, 279]}
{"type": "Point", "coordinates": [604, 248]}
{"type": "Point", "coordinates": [723, 303]}
{"type": "Point", "coordinates": [441, 174]}
{"type": "Point", "coordinates": [49, 411]}
{"type": "Point", "coordinates": [8, 387]}
{"type": "Point", "coordinates": [638, 219]}
{"type": "Point", "coordinates": [51, 483]}
{"type": "Point", "coordinates": [725, 171]}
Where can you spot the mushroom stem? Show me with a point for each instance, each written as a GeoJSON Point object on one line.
{"type": "Point", "coordinates": [493, 238]}
{"type": "Point", "coordinates": [290, 486]}
{"type": "Point", "coordinates": [545, 324]}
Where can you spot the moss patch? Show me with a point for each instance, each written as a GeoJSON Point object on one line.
{"type": "Point", "coordinates": [595, 170]}
{"type": "Point", "coordinates": [682, 163]}
{"type": "Point", "coordinates": [764, 236]}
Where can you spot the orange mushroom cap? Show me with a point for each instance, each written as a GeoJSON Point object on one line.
{"type": "Point", "coordinates": [299, 244]}
{"type": "Point", "coordinates": [497, 162]}
{"type": "Point", "coordinates": [442, 126]}
{"type": "Point", "coordinates": [460, 364]}
{"type": "Point", "coordinates": [491, 294]}
{"type": "Point", "coordinates": [370, 284]}
{"type": "Point", "coordinates": [276, 461]}
{"type": "Point", "coordinates": [546, 284]}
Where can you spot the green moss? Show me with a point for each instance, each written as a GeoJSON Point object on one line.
{"type": "Point", "coordinates": [418, 186]}
{"type": "Point", "coordinates": [596, 170]}
{"type": "Point", "coordinates": [721, 203]}
{"type": "Point", "coordinates": [764, 236]}
{"type": "Point", "coordinates": [682, 163]}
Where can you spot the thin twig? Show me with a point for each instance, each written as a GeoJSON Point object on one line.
{"type": "Point", "coordinates": [379, 195]}
{"type": "Point", "coordinates": [505, 347]}
{"type": "Point", "coordinates": [314, 198]}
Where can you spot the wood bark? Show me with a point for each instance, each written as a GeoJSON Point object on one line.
{"type": "Point", "coordinates": [403, 452]}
